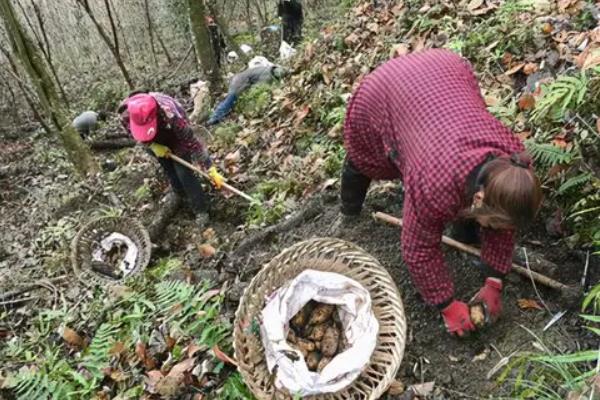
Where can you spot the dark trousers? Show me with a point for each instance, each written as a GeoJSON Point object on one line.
{"type": "Point", "coordinates": [354, 189]}
{"type": "Point", "coordinates": [185, 183]}
{"type": "Point", "coordinates": [292, 30]}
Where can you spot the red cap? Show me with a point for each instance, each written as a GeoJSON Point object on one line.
{"type": "Point", "coordinates": [143, 117]}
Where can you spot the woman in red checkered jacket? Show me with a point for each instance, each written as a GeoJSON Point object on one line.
{"type": "Point", "coordinates": [421, 118]}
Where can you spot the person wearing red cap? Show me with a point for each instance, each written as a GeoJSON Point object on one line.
{"type": "Point", "coordinates": [421, 118]}
{"type": "Point", "coordinates": [160, 121]}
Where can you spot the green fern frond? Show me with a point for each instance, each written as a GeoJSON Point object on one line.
{"type": "Point", "coordinates": [574, 182]}
{"type": "Point", "coordinates": [97, 356]}
{"type": "Point", "coordinates": [566, 92]}
{"type": "Point", "coordinates": [548, 155]}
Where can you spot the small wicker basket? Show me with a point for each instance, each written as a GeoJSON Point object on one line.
{"type": "Point", "coordinates": [332, 255]}
{"type": "Point", "coordinates": [94, 231]}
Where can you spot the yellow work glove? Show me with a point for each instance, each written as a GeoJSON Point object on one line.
{"type": "Point", "coordinates": [217, 179]}
{"type": "Point", "coordinates": [159, 150]}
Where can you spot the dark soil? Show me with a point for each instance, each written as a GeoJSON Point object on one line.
{"type": "Point", "coordinates": [458, 366]}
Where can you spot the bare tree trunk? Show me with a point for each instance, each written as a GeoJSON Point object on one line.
{"type": "Point", "coordinates": [204, 50]}
{"type": "Point", "coordinates": [113, 46]}
{"type": "Point", "coordinates": [150, 32]}
{"type": "Point", "coordinates": [44, 45]}
{"type": "Point", "coordinates": [164, 48]}
{"type": "Point", "coordinates": [24, 50]}
{"type": "Point", "coordinates": [225, 31]}
{"type": "Point", "coordinates": [126, 47]}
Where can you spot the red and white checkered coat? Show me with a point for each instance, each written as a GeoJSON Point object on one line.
{"type": "Point", "coordinates": [421, 118]}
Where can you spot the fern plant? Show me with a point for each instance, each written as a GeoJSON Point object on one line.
{"type": "Point", "coordinates": [548, 155]}
{"type": "Point", "coordinates": [565, 93]}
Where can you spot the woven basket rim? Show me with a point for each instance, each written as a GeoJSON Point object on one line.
{"type": "Point", "coordinates": [141, 237]}
{"type": "Point", "coordinates": [361, 267]}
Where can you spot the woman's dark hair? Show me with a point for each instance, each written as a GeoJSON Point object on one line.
{"type": "Point", "coordinates": [512, 192]}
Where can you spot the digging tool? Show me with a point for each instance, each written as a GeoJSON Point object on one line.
{"type": "Point", "coordinates": [205, 175]}
{"type": "Point", "coordinates": [569, 292]}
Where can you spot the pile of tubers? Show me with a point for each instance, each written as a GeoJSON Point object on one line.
{"type": "Point", "coordinates": [316, 330]}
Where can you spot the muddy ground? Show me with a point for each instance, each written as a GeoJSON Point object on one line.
{"type": "Point", "coordinates": [30, 200]}
{"type": "Point", "coordinates": [458, 366]}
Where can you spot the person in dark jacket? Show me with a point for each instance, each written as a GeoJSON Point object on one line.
{"type": "Point", "coordinates": [160, 122]}
{"type": "Point", "coordinates": [292, 17]}
{"type": "Point", "coordinates": [241, 82]}
{"type": "Point", "coordinates": [421, 118]}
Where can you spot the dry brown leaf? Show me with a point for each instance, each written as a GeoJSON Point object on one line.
{"type": "Point", "coordinates": [526, 102]}
{"type": "Point", "coordinates": [72, 337]}
{"type": "Point", "coordinates": [351, 39]}
{"type": "Point", "coordinates": [396, 388]}
{"type": "Point", "coordinates": [232, 158]}
{"type": "Point", "coordinates": [118, 376]}
{"type": "Point", "coordinates": [300, 115]}
{"type": "Point", "coordinates": [152, 378]}
{"type": "Point", "coordinates": [206, 250]}
{"type": "Point", "coordinates": [564, 5]}
{"type": "Point", "coordinates": [209, 234]}
{"type": "Point", "coordinates": [117, 349]}
{"type": "Point", "coordinates": [560, 142]}
{"type": "Point", "coordinates": [527, 304]}
{"type": "Point", "coordinates": [598, 125]}
{"type": "Point", "coordinates": [193, 349]}
{"type": "Point", "coordinates": [222, 356]}
{"type": "Point", "coordinates": [400, 49]}
{"type": "Point", "coordinates": [142, 353]}
{"type": "Point", "coordinates": [530, 68]}
{"type": "Point", "coordinates": [178, 371]}
{"type": "Point", "coordinates": [373, 27]}
{"type": "Point", "coordinates": [515, 69]}
{"type": "Point", "coordinates": [523, 135]}
{"type": "Point", "coordinates": [547, 28]}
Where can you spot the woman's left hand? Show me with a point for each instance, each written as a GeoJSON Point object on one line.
{"type": "Point", "coordinates": [490, 295]}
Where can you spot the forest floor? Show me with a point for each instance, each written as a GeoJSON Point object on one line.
{"type": "Point", "coordinates": [284, 146]}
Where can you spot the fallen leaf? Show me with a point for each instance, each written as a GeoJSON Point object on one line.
{"type": "Point", "coordinates": [142, 353]}
{"type": "Point", "coordinates": [560, 142]}
{"type": "Point", "coordinates": [515, 69]}
{"type": "Point", "coordinates": [72, 337]}
{"type": "Point", "coordinates": [220, 355]}
{"type": "Point", "coordinates": [396, 388]}
{"type": "Point", "coordinates": [232, 158]}
{"type": "Point", "coordinates": [209, 234]}
{"type": "Point", "coordinates": [192, 349]}
{"type": "Point", "coordinates": [300, 115]}
{"type": "Point", "coordinates": [351, 39]}
{"type": "Point", "coordinates": [526, 102]}
{"type": "Point", "coordinates": [530, 68]}
{"type": "Point", "coordinates": [423, 389]}
{"type": "Point", "coordinates": [206, 250]}
{"type": "Point", "coordinates": [527, 304]}
{"type": "Point", "coordinates": [598, 125]}
{"type": "Point", "coordinates": [563, 5]}
{"type": "Point", "coordinates": [181, 368]}
{"type": "Point", "coordinates": [523, 135]}
{"type": "Point", "coordinates": [547, 28]}
{"type": "Point", "coordinates": [474, 4]}
{"type": "Point", "coordinates": [118, 376]}
{"type": "Point", "coordinates": [400, 49]}
{"type": "Point", "coordinates": [117, 349]}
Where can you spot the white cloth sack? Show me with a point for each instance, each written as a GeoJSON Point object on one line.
{"type": "Point", "coordinates": [286, 51]}
{"type": "Point", "coordinates": [114, 239]}
{"type": "Point", "coordinates": [259, 61]}
{"type": "Point", "coordinates": [359, 326]}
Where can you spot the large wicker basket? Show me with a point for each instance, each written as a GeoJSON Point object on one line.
{"type": "Point", "coordinates": [94, 231]}
{"type": "Point", "coordinates": [333, 255]}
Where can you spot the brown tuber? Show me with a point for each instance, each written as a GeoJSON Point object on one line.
{"type": "Point", "coordinates": [330, 342]}
{"type": "Point", "coordinates": [312, 360]}
{"type": "Point", "coordinates": [321, 313]}
{"type": "Point", "coordinates": [477, 313]}
{"type": "Point", "coordinates": [317, 332]}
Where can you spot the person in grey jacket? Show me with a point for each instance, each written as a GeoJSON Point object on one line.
{"type": "Point", "coordinates": [87, 121]}
{"type": "Point", "coordinates": [241, 82]}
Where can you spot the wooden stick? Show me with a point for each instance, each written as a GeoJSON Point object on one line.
{"type": "Point", "coordinates": [536, 276]}
{"type": "Point", "coordinates": [24, 289]}
{"type": "Point", "coordinates": [205, 175]}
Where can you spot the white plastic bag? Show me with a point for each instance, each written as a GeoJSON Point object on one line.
{"type": "Point", "coordinates": [116, 239]}
{"type": "Point", "coordinates": [359, 326]}
{"type": "Point", "coordinates": [259, 61]}
{"type": "Point", "coordinates": [286, 51]}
